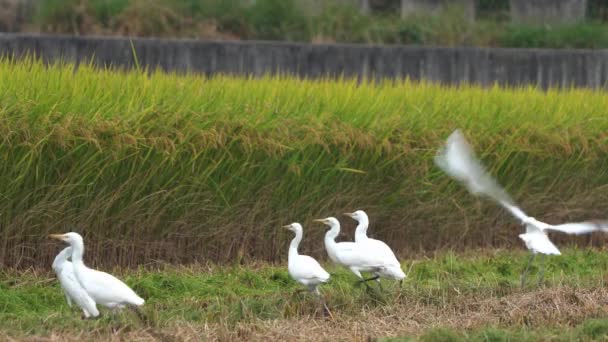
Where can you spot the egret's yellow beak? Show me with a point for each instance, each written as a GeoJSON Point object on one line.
{"type": "Point", "coordinates": [349, 214]}
{"type": "Point", "coordinates": [320, 220]}
{"type": "Point", "coordinates": [56, 236]}
{"type": "Point", "coordinates": [287, 226]}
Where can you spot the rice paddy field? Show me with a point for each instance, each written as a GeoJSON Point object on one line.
{"type": "Point", "coordinates": [180, 183]}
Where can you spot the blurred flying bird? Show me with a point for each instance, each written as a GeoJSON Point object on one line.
{"type": "Point", "coordinates": [457, 159]}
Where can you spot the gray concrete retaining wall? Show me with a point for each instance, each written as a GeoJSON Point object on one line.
{"type": "Point", "coordinates": [543, 67]}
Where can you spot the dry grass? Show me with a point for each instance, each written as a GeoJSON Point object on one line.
{"type": "Point", "coordinates": [562, 306]}
{"type": "Point", "coordinates": [469, 294]}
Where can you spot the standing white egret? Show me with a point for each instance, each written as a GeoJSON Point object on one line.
{"type": "Point", "coordinates": [104, 288]}
{"type": "Point", "coordinates": [359, 257]}
{"type": "Point", "coordinates": [378, 246]}
{"type": "Point", "coordinates": [302, 268]}
{"type": "Point", "coordinates": [457, 159]}
{"type": "Point", "coordinates": [70, 285]}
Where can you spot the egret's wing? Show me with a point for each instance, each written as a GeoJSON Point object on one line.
{"type": "Point", "coordinates": [538, 242]}
{"type": "Point", "coordinates": [364, 254]}
{"type": "Point", "coordinates": [306, 267]}
{"type": "Point", "coordinates": [580, 227]}
{"type": "Point", "coordinates": [105, 288]}
{"type": "Point", "coordinates": [515, 210]}
{"type": "Point", "coordinates": [381, 250]}
{"type": "Point", "coordinates": [457, 159]}
{"type": "Point", "coordinates": [74, 292]}
{"type": "Point", "coordinates": [350, 253]}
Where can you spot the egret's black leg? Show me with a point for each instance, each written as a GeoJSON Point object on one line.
{"type": "Point", "coordinates": [369, 279]}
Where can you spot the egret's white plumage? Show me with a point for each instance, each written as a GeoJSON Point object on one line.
{"type": "Point", "coordinates": [103, 288]}
{"type": "Point", "coordinates": [71, 287]}
{"type": "Point", "coordinates": [359, 257]}
{"type": "Point", "coordinates": [392, 269]}
{"type": "Point", "coordinates": [457, 159]}
{"type": "Point", "coordinates": [303, 268]}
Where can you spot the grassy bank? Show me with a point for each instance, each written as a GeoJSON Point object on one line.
{"type": "Point", "coordinates": [182, 168]}
{"type": "Point", "coordinates": [466, 295]}
{"type": "Point", "coordinates": [322, 21]}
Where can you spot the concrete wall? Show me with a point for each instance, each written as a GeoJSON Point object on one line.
{"type": "Point", "coordinates": [548, 11]}
{"type": "Point", "coordinates": [583, 68]}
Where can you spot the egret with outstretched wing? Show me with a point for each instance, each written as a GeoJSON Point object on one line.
{"type": "Point", "coordinates": [457, 159]}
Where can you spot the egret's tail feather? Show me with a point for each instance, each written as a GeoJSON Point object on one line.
{"type": "Point", "coordinates": [394, 272]}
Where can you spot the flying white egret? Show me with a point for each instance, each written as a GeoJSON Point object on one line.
{"type": "Point", "coordinates": [359, 257]}
{"type": "Point", "coordinates": [70, 285]}
{"type": "Point", "coordinates": [103, 288]}
{"type": "Point", "coordinates": [302, 268]}
{"type": "Point", "coordinates": [457, 159]}
{"type": "Point", "coordinates": [379, 246]}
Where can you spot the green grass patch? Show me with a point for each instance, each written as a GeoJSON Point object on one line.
{"type": "Point", "coordinates": [449, 285]}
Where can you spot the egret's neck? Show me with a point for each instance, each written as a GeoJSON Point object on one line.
{"type": "Point", "coordinates": [331, 235]}
{"type": "Point", "coordinates": [77, 253]}
{"type": "Point", "coordinates": [330, 242]}
{"type": "Point", "coordinates": [361, 230]}
{"type": "Point", "coordinates": [293, 246]}
{"type": "Point", "coordinates": [61, 259]}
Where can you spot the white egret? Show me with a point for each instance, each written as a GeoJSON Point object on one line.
{"type": "Point", "coordinates": [303, 268]}
{"type": "Point", "coordinates": [70, 285]}
{"type": "Point", "coordinates": [457, 159]}
{"type": "Point", "coordinates": [378, 246]}
{"type": "Point", "coordinates": [359, 257]}
{"type": "Point", "coordinates": [103, 288]}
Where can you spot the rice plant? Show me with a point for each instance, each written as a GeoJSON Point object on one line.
{"type": "Point", "coordinates": [155, 166]}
